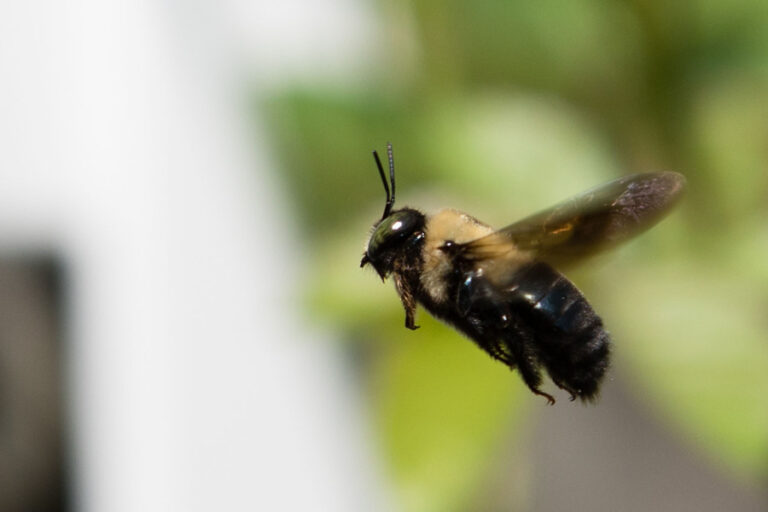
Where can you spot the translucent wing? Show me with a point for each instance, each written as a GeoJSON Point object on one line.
{"type": "Point", "coordinates": [579, 227]}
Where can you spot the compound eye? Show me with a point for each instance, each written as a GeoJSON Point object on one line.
{"type": "Point", "coordinates": [397, 226]}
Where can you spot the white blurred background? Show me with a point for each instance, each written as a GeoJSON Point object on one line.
{"type": "Point", "coordinates": [130, 163]}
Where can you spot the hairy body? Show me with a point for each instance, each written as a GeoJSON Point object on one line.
{"type": "Point", "coordinates": [501, 289]}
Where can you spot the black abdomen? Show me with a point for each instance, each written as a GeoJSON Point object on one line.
{"type": "Point", "coordinates": [570, 341]}
{"type": "Point", "coordinates": [536, 319]}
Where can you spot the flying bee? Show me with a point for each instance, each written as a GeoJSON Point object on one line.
{"type": "Point", "coordinates": [500, 287]}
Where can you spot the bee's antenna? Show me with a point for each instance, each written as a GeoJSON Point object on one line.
{"type": "Point", "coordinates": [390, 197]}
{"type": "Point", "coordinates": [391, 174]}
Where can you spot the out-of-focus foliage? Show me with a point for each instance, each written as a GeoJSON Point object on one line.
{"type": "Point", "coordinates": [501, 108]}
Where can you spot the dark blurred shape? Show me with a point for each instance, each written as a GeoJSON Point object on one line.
{"type": "Point", "coordinates": [32, 424]}
{"type": "Point", "coordinates": [616, 457]}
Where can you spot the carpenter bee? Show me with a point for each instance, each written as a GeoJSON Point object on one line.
{"type": "Point", "coordinates": [500, 287]}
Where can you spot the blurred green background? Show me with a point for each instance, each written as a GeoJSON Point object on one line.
{"type": "Point", "coordinates": [500, 109]}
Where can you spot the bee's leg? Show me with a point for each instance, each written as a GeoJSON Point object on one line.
{"type": "Point", "coordinates": [496, 329]}
{"type": "Point", "coordinates": [564, 387]}
{"type": "Point", "coordinates": [532, 378]}
{"type": "Point", "coordinates": [410, 323]}
{"type": "Point", "coordinates": [408, 300]}
{"type": "Point", "coordinates": [520, 342]}
{"type": "Point", "coordinates": [498, 351]}
{"type": "Point", "coordinates": [488, 314]}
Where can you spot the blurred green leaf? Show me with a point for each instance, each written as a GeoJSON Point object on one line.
{"type": "Point", "coordinates": [696, 340]}
{"type": "Point", "coordinates": [584, 45]}
{"type": "Point", "coordinates": [444, 407]}
{"type": "Point", "coordinates": [324, 141]}
{"type": "Point", "coordinates": [518, 152]}
{"type": "Point", "coordinates": [730, 138]}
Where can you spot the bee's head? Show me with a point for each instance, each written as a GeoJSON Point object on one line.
{"type": "Point", "coordinates": [398, 233]}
